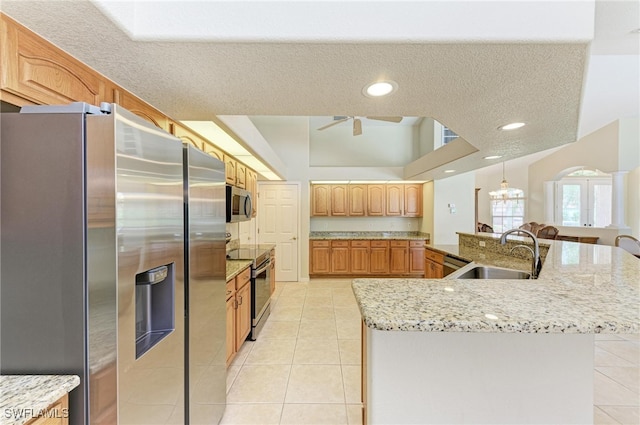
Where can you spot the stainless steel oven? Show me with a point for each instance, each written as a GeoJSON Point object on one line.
{"type": "Point", "coordinates": [451, 264]}
{"type": "Point", "coordinates": [261, 294]}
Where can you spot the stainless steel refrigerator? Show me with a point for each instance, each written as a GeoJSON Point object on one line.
{"type": "Point", "coordinates": [94, 244]}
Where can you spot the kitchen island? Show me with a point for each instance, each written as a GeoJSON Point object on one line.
{"type": "Point", "coordinates": [495, 351]}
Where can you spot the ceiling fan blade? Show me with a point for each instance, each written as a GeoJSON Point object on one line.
{"type": "Point", "coordinates": [357, 127]}
{"type": "Point", "coordinates": [331, 124]}
{"type": "Point", "coordinates": [390, 119]}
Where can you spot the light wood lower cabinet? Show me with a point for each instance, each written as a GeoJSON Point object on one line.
{"type": "Point", "coordinates": [398, 257]}
{"type": "Point", "coordinates": [56, 414]}
{"type": "Point", "coordinates": [238, 312]}
{"type": "Point", "coordinates": [366, 257]}
{"type": "Point", "coordinates": [416, 256]}
{"type": "Point", "coordinates": [433, 264]}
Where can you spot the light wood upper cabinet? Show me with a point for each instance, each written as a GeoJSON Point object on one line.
{"type": "Point", "coordinates": [357, 198]}
{"type": "Point", "coordinates": [375, 200]}
{"type": "Point", "coordinates": [241, 175]}
{"type": "Point", "coordinates": [320, 200]}
{"type": "Point", "coordinates": [187, 135]}
{"type": "Point", "coordinates": [230, 169]}
{"type": "Point", "coordinates": [252, 187]}
{"type": "Point", "coordinates": [338, 194]}
{"type": "Point", "coordinates": [214, 152]}
{"type": "Point", "coordinates": [395, 199]}
{"type": "Point", "coordinates": [141, 108]}
{"type": "Point", "coordinates": [34, 71]}
{"type": "Point", "coordinates": [413, 200]}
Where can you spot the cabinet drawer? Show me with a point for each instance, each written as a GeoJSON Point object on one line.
{"type": "Point", "coordinates": [379, 244]}
{"type": "Point", "coordinates": [340, 244]}
{"type": "Point", "coordinates": [399, 244]}
{"type": "Point", "coordinates": [434, 256]}
{"type": "Point", "coordinates": [243, 278]}
{"type": "Point", "coordinates": [231, 288]}
{"type": "Point", "coordinates": [319, 244]}
{"type": "Point", "coordinates": [416, 244]}
{"type": "Point", "coordinates": [359, 244]}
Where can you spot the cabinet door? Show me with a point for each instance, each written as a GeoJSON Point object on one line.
{"type": "Point", "coordinates": [320, 200]}
{"type": "Point", "coordinates": [375, 200]}
{"type": "Point", "coordinates": [230, 169]}
{"type": "Point", "coordinates": [413, 200]}
{"type": "Point", "coordinates": [395, 199]}
{"type": "Point", "coordinates": [398, 257]}
{"type": "Point", "coordinates": [243, 314]}
{"type": "Point", "coordinates": [141, 108]}
{"type": "Point", "coordinates": [338, 200]}
{"type": "Point", "coordinates": [340, 257]}
{"type": "Point", "coordinates": [379, 257]}
{"type": "Point", "coordinates": [433, 270]}
{"type": "Point", "coordinates": [214, 152]}
{"type": "Point", "coordinates": [320, 257]}
{"type": "Point", "coordinates": [40, 73]}
{"type": "Point", "coordinates": [231, 328]}
{"type": "Point", "coordinates": [252, 187]}
{"type": "Point", "coordinates": [416, 257]}
{"type": "Point", "coordinates": [359, 257]}
{"type": "Point", "coordinates": [241, 175]}
{"type": "Point", "coordinates": [357, 198]}
{"type": "Point", "coordinates": [186, 135]}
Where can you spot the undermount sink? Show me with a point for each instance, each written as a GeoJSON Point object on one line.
{"type": "Point", "coordinates": [485, 272]}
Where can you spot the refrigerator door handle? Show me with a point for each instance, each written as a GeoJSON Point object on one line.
{"type": "Point", "coordinates": [153, 276]}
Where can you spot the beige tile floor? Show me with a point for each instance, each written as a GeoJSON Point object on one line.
{"type": "Point", "coordinates": [305, 366]}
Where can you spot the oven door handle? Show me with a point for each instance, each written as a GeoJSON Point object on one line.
{"type": "Point", "coordinates": [266, 266]}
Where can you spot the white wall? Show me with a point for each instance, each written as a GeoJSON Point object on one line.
{"type": "Point", "coordinates": [614, 147]}
{"type": "Point", "coordinates": [289, 138]}
{"type": "Point", "coordinates": [379, 146]}
{"type": "Point", "coordinates": [460, 191]}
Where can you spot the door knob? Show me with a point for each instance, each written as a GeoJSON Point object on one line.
{"type": "Point", "coordinates": [294, 238]}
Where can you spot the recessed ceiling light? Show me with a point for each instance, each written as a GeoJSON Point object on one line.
{"type": "Point", "coordinates": [449, 171]}
{"type": "Point", "coordinates": [511, 126]}
{"type": "Point", "coordinates": [635, 31]}
{"type": "Point", "coordinates": [380, 88]}
{"type": "Point", "coordinates": [493, 157]}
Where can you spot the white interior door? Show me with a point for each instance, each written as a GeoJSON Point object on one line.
{"type": "Point", "coordinates": [278, 224]}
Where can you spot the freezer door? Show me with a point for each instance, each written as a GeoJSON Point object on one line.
{"type": "Point", "coordinates": [149, 232]}
{"type": "Point", "coordinates": [205, 286]}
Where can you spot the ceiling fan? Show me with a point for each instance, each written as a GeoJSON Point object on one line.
{"type": "Point", "coordinates": [357, 123]}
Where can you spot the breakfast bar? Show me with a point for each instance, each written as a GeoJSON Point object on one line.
{"type": "Point", "coordinates": [494, 350]}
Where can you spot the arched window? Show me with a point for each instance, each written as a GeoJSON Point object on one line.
{"type": "Point", "coordinates": [583, 199]}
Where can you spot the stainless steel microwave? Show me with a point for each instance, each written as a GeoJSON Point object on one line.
{"type": "Point", "coordinates": [239, 204]}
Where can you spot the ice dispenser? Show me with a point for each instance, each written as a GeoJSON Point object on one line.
{"type": "Point", "coordinates": [154, 307]}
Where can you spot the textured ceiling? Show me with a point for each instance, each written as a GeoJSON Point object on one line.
{"type": "Point", "coordinates": [470, 87]}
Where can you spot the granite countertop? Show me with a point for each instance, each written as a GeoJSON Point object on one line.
{"type": "Point", "coordinates": [23, 397]}
{"type": "Point", "coordinates": [234, 267]}
{"type": "Point", "coordinates": [582, 288]}
{"type": "Point", "coordinates": [369, 235]}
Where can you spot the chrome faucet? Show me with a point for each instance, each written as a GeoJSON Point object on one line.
{"type": "Point", "coordinates": [536, 265]}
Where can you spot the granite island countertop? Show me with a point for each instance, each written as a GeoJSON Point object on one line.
{"type": "Point", "coordinates": [582, 288]}
{"type": "Point", "coordinates": [369, 235]}
{"type": "Point", "coordinates": [24, 396]}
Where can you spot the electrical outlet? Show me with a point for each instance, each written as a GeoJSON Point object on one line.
{"type": "Point", "coordinates": [483, 243]}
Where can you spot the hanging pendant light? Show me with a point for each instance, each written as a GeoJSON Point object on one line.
{"type": "Point", "coordinates": [505, 192]}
